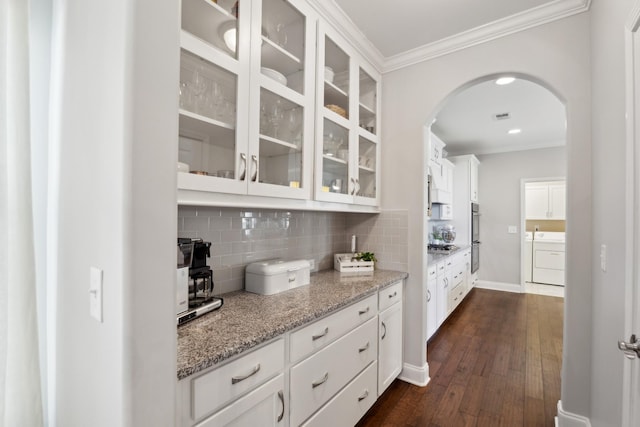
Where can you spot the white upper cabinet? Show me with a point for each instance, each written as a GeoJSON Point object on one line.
{"type": "Point", "coordinates": [246, 97]}
{"type": "Point", "coordinates": [545, 200]}
{"type": "Point", "coordinates": [347, 124]}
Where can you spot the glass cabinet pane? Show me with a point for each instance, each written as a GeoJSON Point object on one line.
{"type": "Point", "coordinates": [368, 102]}
{"type": "Point", "coordinates": [336, 79]}
{"type": "Point", "coordinates": [207, 117]}
{"type": "Point", "coordinates": [213, 21]}
{"type": "Point", "coordinates": [335, 158]}
{"type": "Point", "coordinates": [283, 49]}
{"type": "Point", "coordinates": [367, 168]}
{"type": "Point", "coordinates": [281, 141]}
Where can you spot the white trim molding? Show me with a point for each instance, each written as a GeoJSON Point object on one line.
{"type": "Point", "coordinates": [416, 375]}
{"type": "Point", "coordinates": [540, 15]}
{"type": "Point", "coordinates": [567, 419]}
{"type": "Point", "coordinates": [499, 286]}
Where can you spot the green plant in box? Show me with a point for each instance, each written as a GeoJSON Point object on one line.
{"type": "Point", "coordinates": [366, 256]}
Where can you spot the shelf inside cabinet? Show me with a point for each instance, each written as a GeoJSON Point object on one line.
{"type": "Point", "coordinates": [206, 129]}
{"type": "Point", "coordinates": [334, 95]}
{"type": "Point", "coordinates": [206, 20]}
{"type": "Point", "coordinates": [274, 147]}
{"type": "Point", "coordinates": [277, 58]}
{"type": "Point", "coordinates": [334, 165]}
{"type": "Point", "coordinates": [366, 169]}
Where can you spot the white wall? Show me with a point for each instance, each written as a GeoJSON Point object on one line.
{"type": "Point", "coordinates": [608, 135]}
{"type": "Point", "coordinates": [556, 54]}
{"type": "Point", "coordinates": [499, 190]}
{"type": "Point", "coordinates": [113, 145]}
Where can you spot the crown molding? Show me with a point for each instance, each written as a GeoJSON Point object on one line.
{"type": "Point", "coordinates": [340, 21]}
{"type": "Point", "coordinates": [511, 149]}
{"type": "Point", "coordinates": [503, 27]}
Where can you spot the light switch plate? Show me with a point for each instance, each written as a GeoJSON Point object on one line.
{"type": "Point", "coordinates": [603, 257]}
{"type": "Point", "coordinates": [95, 293]}
{"type": "Point", "coordinates": [513, 229]}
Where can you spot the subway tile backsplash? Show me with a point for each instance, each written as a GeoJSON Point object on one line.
{"type": "Point", "coordinates": [242, 236]}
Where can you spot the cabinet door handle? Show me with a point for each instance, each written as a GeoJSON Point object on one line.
{"type": "Point", "coordinates": [281, 397]}
{"type": "Point", "coordinates": [353, 186]}
{"type": "Point", "coordinates": [320, 381]}
{"type": "Point", "coordinates": [393, 295]}
{"type": "Point", "coordinates": [357, 186]}
{"type": "Point", "coordinates": [235, 380]}
{"type": "Point", "coordinates": [384, 334]}
{"type": "Point", "coordinates": [254, 159]}
{"type": "Point", "coordinates": [365, 348]}
{"type": "Point", "coordinates": [243, 164]}
{"type": "Point", "coordinates": [317, 337]}
{"type": "Point", "coordinates": [363, 396]}
{"type": "Point", "coordinates": [428, 295]}
{"type": "Point", "coordinates": [365, 311]}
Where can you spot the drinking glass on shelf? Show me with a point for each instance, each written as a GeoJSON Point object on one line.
{"type": "Point", "coordinates": [293, 125]}
{"type": "Point", "coordinates": [199, 88]}
{"type": "Point", "coordinates": [276, 116]}
{"type": "Point", "coordinates": [280, 35]}
{"type": "Point", "coordinates": [186, 96]}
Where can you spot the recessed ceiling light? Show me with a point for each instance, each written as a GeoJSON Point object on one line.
{"type": "Point", "coordinates": [505, 80]}
{"type": "Point", "coordinates": [514, 131]}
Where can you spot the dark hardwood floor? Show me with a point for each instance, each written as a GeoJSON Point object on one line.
{"type": "Point", "coordinates": [494, 362]}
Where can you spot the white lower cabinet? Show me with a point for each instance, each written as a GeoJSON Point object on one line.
{"type": "Point", "coordinates": [348, 406]}
{"type": "Point", "coordinates": [325, 373]}
{"type": "Point", "coordinates": [432, 286]}
{"type": "Point", "coordinates": [317, 379]}
{"type": "Point", "coordinates": [265, 406]}
{"type": "Point", "coordinates": [390, 346]}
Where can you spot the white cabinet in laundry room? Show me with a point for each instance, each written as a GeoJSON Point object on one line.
{"type": "Point", "coordinates": [545, 200]}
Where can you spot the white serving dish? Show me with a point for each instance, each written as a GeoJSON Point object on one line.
{"type": "Point", "coordinates": [273, 74]}
{"type": "Point", "coordinates": [274, 276]}
{"type": "Point", "coordinates": [345, 263]}
{"type": "Point", "coordinates": [183, 167]}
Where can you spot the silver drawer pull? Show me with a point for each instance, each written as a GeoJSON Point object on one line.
{"type": "Point", "coordinates": [364, 396]}
{"type": "Point", "coordinates": [320, 381]}
{"type": "Point", "coordinates": [235, 380]}
{"type": "Point", "coordinates": [365, 348]}
{"type": "Point", "coordinates": [384, 334]}
{"type": "Point", "coordinates": [317, 337]}
{"type": "Point", "coordinates": [281, 397]}
{"type": "Point", "coordinates": [365, 311]}
{"type": "Point", "coordinates": [393, 295]}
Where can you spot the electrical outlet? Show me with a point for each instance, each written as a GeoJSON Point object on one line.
{"type": "Point", "coordinates": [513, 229]}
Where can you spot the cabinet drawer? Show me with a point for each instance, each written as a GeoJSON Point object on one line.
{"type": "Point", "coordinates": [315, 380]}
{"type": "Point", "coordinates": [390, 295]}
{"type": "Point", "coordinates": [348, 406]}
{"type": "Point", "coordinates": [455, 296]}
{"type": "Point", "coordinates": [215, 388]}
{"type": "Point", "coordinates": [322, 332]}
{"type": "Point", "coordinates": [263, 406]}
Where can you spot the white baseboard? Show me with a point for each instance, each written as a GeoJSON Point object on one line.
{"type": "Point", "coordinates": [499, 286]}
{"type": "Point", "coordinates": [416, 375]}
{"type": "Point", "coordinates": [567, 419]}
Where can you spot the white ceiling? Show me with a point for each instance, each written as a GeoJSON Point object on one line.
{"type": "Point", "coordinates": [395, 27]}
{"type": "Point", "coordinates": [465, 123]}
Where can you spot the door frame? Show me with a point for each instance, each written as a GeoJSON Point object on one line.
{"type": "Point", "coordinates": [523, 219]}
{"type": "Point", "coordinates": [631, 368]}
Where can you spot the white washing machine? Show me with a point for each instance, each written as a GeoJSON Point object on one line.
{"type": "Point", "coordinates": [528, 255]}
{"type": "Point", "coordinates": [548, 257]}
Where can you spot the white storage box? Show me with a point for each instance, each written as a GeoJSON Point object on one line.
{"type": "Point", "coordinates": [346, 263]}
{"type": "Point", "coordinates": [273, 276]}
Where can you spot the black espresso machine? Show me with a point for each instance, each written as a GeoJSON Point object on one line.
{"type": "Point", "coordinates": [200, 296]}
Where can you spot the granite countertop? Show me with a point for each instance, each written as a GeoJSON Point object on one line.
{"type": "Point", "coordinates": [437, 257]}
{"type": "Point", "coordinates": [246, 319]}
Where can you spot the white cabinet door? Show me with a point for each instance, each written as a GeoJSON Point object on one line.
{"type": "Point", "coordinates": [537, 201]}
{"type": "Point", "coordinates": [432, 316]}
{"type": "Point", "coordinates": [442, 292]}
{"type": "Point", "coordinates": [389, 346]}
{"type": "Point", "coordinates": [473, 179]}
{"type": "Point", "coordinates": [347, 123]}
{"type": "Point", "coordinates": [265, 406]}
{"type": "Point", "coordinates": [557, 197]}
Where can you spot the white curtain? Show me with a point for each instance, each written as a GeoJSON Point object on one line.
{"type": "Point", "coordinates": [20, 384]}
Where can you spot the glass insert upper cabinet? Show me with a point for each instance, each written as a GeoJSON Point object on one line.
{"type": "Point", "coordinates": [347, 136]}
{"type": "Point", "coordinates": [246, 97]}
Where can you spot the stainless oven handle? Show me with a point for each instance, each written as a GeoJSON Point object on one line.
{"type": "Point", "coordinates": [429, 204]}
